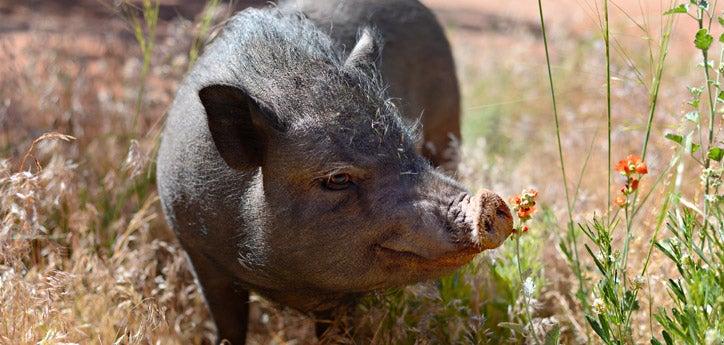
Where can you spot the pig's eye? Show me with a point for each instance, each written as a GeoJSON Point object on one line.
{"type": "Point", "coordinates": [338, 181]}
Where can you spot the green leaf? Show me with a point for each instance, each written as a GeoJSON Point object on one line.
{"type": "Point", "coordinates": [678, 291]}
{"type": "Point", "coordinates": [630, 302]}
{"type": "Point", "coordinates": [675, 138]}
{"type": "Point", "coordinates": [665, 321]}
{"type": "Point", "coordinates": [680, 140]}
{"type": "Point", "coordinates": [667, 252]}
{"type": "Point", "coordinates": [721, 20]}
{"type": "Point", "coordinates": [597, 328]}
{"type": "Point", "coordinates": [667, 338]}
{"type": "Point", "coordinates": [564, 248]}
{"type": "Point", "coordinates": [721, 37]}
{"type": "Point", "coordinates": [678, 9]}
{"type": "Point", "coordinates": [655, 342]}
{"type": "Point", "coordinates": [595, 259]}
{"type": "Point", "coordinates": [703, 40]}
{"type": "Point", "coordinates": [679, 317]}
{"type": "Point", "coordinates": [553, 336]}
{"type": "Point", "coordinates": [604, 325]}
{"type": "Point", "coordinates": [716, 153]}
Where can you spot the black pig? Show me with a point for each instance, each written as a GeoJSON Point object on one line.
{"type": "Point", "coordinates": [286, 169]}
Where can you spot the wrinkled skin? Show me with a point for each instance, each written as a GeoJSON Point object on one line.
{"type": "Point", "coordinates": [285, 169]}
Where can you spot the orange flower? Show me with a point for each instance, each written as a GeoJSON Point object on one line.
{"type": "Point", "coordinates": [634, 184]}
{"type": "Point", "coordinates": [633, 169]}
{"type": "Point", "coordinates": [622, 167]}
{"type": "Point", "coordinates": [641, 168]}
{"type": "Point", "coordinates": [620, 201]}
{"type": "Point", "coordinates": [633, 159]}
{"type": "Point", "coordinates": [525, 212]}
{"type": "Point", "coordinates": [631, 164]}
{"type": "Point", "coordinates": [524, 206]}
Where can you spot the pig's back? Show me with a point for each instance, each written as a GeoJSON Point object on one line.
{"type": "Point", "coordinates": [416, 59]}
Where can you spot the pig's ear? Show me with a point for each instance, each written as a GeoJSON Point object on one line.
{"type": "Point", "coordinates": [239, 127]}
{"type": "Point", "coordinates": [366, 51]}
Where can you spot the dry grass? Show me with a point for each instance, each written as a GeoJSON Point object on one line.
{"type": "Point", "coordinates": [86, 257]}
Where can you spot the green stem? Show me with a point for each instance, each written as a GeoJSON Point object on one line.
{"type": "Point", "coordinates": [712, 107]}
{"type": "Point", "coordinates": [705, 56]}
{"type": "Point", "coordinates": [206, 18]}
{"type": "Point", "coordinates": [141, 92]}
{"type": "Point", "coordinates": [653, 101]}
{"type": "Point", "coordinates": [626, 240]}
{"type": "Point", "coordinates": [555, 109]}
{"type": "Point", "coordinates": [659, 223]}
{"type": "Point", "coordinates": [574, 237]}
{"type": "Point", "coordinates": [147, 44]}
{"type": "Point", "coordinates": [654, 96]}
{"type": "Point", "coordinates": [606, 40]}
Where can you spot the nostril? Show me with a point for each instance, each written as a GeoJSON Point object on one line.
{"type": "Point", "coordinates": [489, 227]}
{"type": "Point", "coordinates": [491, 219]}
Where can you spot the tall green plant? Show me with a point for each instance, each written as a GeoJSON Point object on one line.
{"type": "Point", "coordinates": [569, 244]}
{"type": "Point", "coordinates": [614, 293]}
{"type": "Point", "coordinates": [695, 247]}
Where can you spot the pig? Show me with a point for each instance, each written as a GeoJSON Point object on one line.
{"type": "Point", "coordinates": [287, 168]}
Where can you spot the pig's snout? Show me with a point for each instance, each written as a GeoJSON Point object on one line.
{"type": "Point", "coordinates": [472, 224]}
{"type": "Point", "coordinates": [480, 222]}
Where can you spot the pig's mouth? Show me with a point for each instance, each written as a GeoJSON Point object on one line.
{"type": "Point", "coordinates": [412, 260]}
{"type": "Point", "coordinates": [406, 256]}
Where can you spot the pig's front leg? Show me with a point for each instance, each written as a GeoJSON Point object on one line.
{"type": "Point", "coordinates": [228, 302]}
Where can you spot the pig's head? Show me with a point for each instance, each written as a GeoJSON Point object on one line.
{"type": "Point", "coordinates": [338, 199]}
